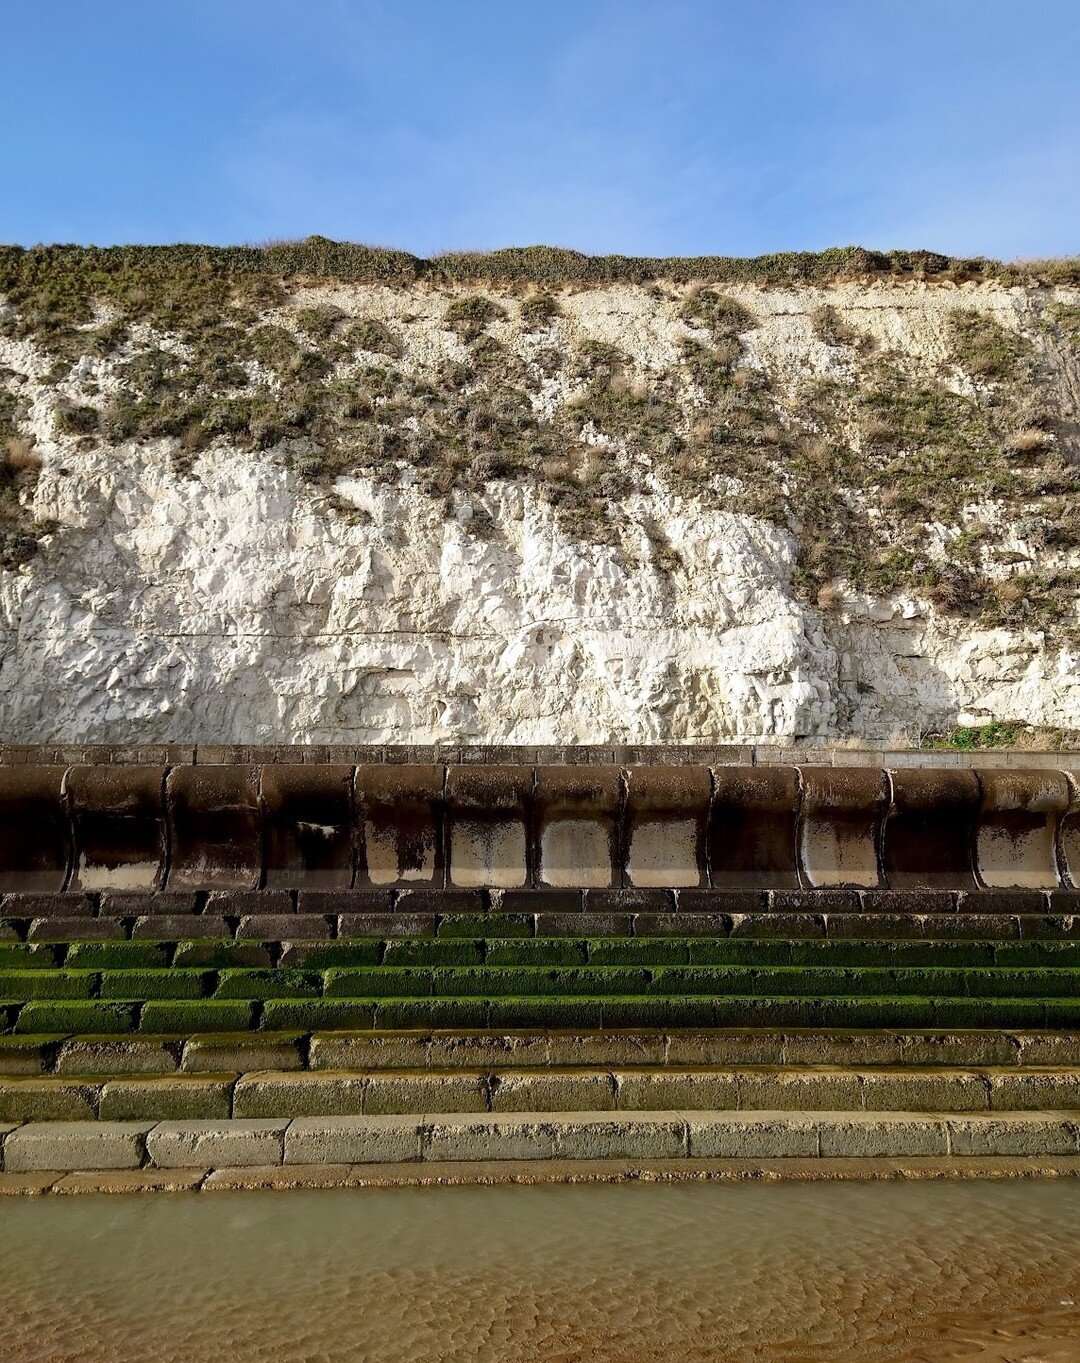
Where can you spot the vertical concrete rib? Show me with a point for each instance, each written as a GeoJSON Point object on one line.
{"type": "Point", "coordinates": [1068, 838]}
{"type": "Point", "coordinates": [400, 817]}
{"type": "Point", "coordinates": [308, 826]}
{"type": "Point", "coordinates": [489, 810]}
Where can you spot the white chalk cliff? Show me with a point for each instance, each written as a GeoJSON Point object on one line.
{"type": "Point", "coordinates": [232, 602]}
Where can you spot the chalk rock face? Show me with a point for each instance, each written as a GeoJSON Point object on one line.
{"type": "Point", "coordinates": [229, 604]}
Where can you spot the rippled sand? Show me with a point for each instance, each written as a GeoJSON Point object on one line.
{"type": "Point", "coordinates": [623, 1274]}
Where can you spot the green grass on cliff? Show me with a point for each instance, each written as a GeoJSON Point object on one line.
{"type": "Point", "coordinates": [861, 465]}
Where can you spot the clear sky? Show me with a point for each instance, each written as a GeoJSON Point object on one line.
{"type": "Point", "coordinates": [636, 126]}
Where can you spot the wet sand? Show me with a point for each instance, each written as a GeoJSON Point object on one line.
{"type": "Point", "coordinates": [633, 1273]}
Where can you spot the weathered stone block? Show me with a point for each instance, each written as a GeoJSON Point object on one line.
{"type": "Point", "coordinates": [885, 1134]}
{"type": "Point", "coordinates": [766, 1136]}
{"type": "Point", "coordinates": [215, 1144]}
{"type": "Point", "coordinates": [352, 1140]}
{"type": "Point", "coordinates": [1029, 1133]}
{"type": "Point", "coordinates": [76, 1145]}
{"type": "Point", "coordinates": [170, 1098]}
{"type": "Point", "coordinates": [324, 1094]}
{"type": "Point", "coordinates": [417, 1093]}
{"type": "Point", "coordinates": [591, 1135]}
{"type": "Point", "coordinates": [521, 1136]}
{"type": "Point", "coordinates": [238, 1052]}
{"type": "Point", "coordinates": [47, 1100]}
{"type": "Point", "coordinates": [672, 1091]}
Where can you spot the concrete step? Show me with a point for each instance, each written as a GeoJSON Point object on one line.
{"type": "Point", "coordinates": [530, 1136]}
{"type": "Point", "coordinates": [340, 1093]}
{"type": "Point", "coordinates": [358, 953]}
{"type": "Point", "coordinates": [451, 1051]}
{"type": "Point", "coordinates": [591, 1012]}
{"type": "Point", "coordinates": [497, 981]}
{"type": "Point", "coordinates": [271, 917]}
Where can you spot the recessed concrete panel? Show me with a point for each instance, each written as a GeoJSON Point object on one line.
{"type": "Point", "coordinates": [488, 813]}
{"type": "Point", "coordinates": [667, 818]}
{"type": "Point", "coordinates": [399, 811]}
{"type": "Point", "coordinates": [35, 833]}
{"type": "Point", "coordinates": [577, 813]}
{"type": "Point", "coordinates": [216, 828]}
{"type": "Point", "coordinates": [308, 826]}
{"type": "Point", "coordinates": [118, 815]}
{"type": "Point", "coordinates": [929, 834]}
{"type": "Point", "coordinates": [1017, 836]}
{"type": "Point", "coordinates": [840, 826]}
{"type": "Point", "coordinates": [752, 828]}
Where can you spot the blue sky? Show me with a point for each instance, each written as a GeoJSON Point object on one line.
{"type": "Point", "coordinates": [637, 126]}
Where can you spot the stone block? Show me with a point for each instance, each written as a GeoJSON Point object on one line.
{"type": "Point", "coordinates": [27, 1055]}
{"type": "Point", "coordinates": [178, 928]}
{"type": "Point", "coordinates": [195, 1015]}
{"type": "Point", "coordinates": [368, 1050]}
{"type": "Point", "coordinates": [76, 1016]}
{"type": "Point", "coordinates": [352, 1140]}
{"type": "Point", "coordinates": [323, 1094]}
{"type": "Point", "coordinates": [674, 1090]}
{"type": "Point", "coordinates": [799, 1091]}
{"type": "Point", "coordinates": [215, 1144]}
{"type": "Point", "coordinates": [132, 1181]}
{"type": "Point", "coordinates": [553, 1091]}
{"type": "Point", "coordinates": [74, 929]}
{"type": "Point", "coordinates": [1027, 1091]}
{"type": "Point", "coordinates": [47, 1100]}
{"type": "Point", "coordinates": [730, 1047]}
{"type": "Point", "coordinates": [118, 1055]}
{"type": "Point", "coordinates": [494, 1137]}
{"type": "Point", "coordinates": [925, 1091]}
{"type": "Point", "coordinates": [764, 1136]}
{"type": "Point", "coordinates": [291, 927]}
{"type": "Point", "coordinates": [167, 1098]}
{"type": "Point", "coordinates": [1029, 1133]}
{"type": "Point", "coordinates": [239, 1052]}
{"type": "Point", "coordinates": [592, 1135]}
{"type": "Point", "coordinates": [425, 1092]}
{"type": "Point", "coordinates": [76, 1145]}
{"type": "Point", "coordinates": [894, 1134]}
{"type": "Point", "coordinates": [597, 1049]}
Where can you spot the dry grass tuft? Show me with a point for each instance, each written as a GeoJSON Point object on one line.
{"type": "Point", "coordinates": [20, 455]}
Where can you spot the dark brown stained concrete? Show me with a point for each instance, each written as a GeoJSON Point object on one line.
{"type": "Point", "coordinates": [523, 829]}
{"type": "Point", "coordinates": [929, 837]}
